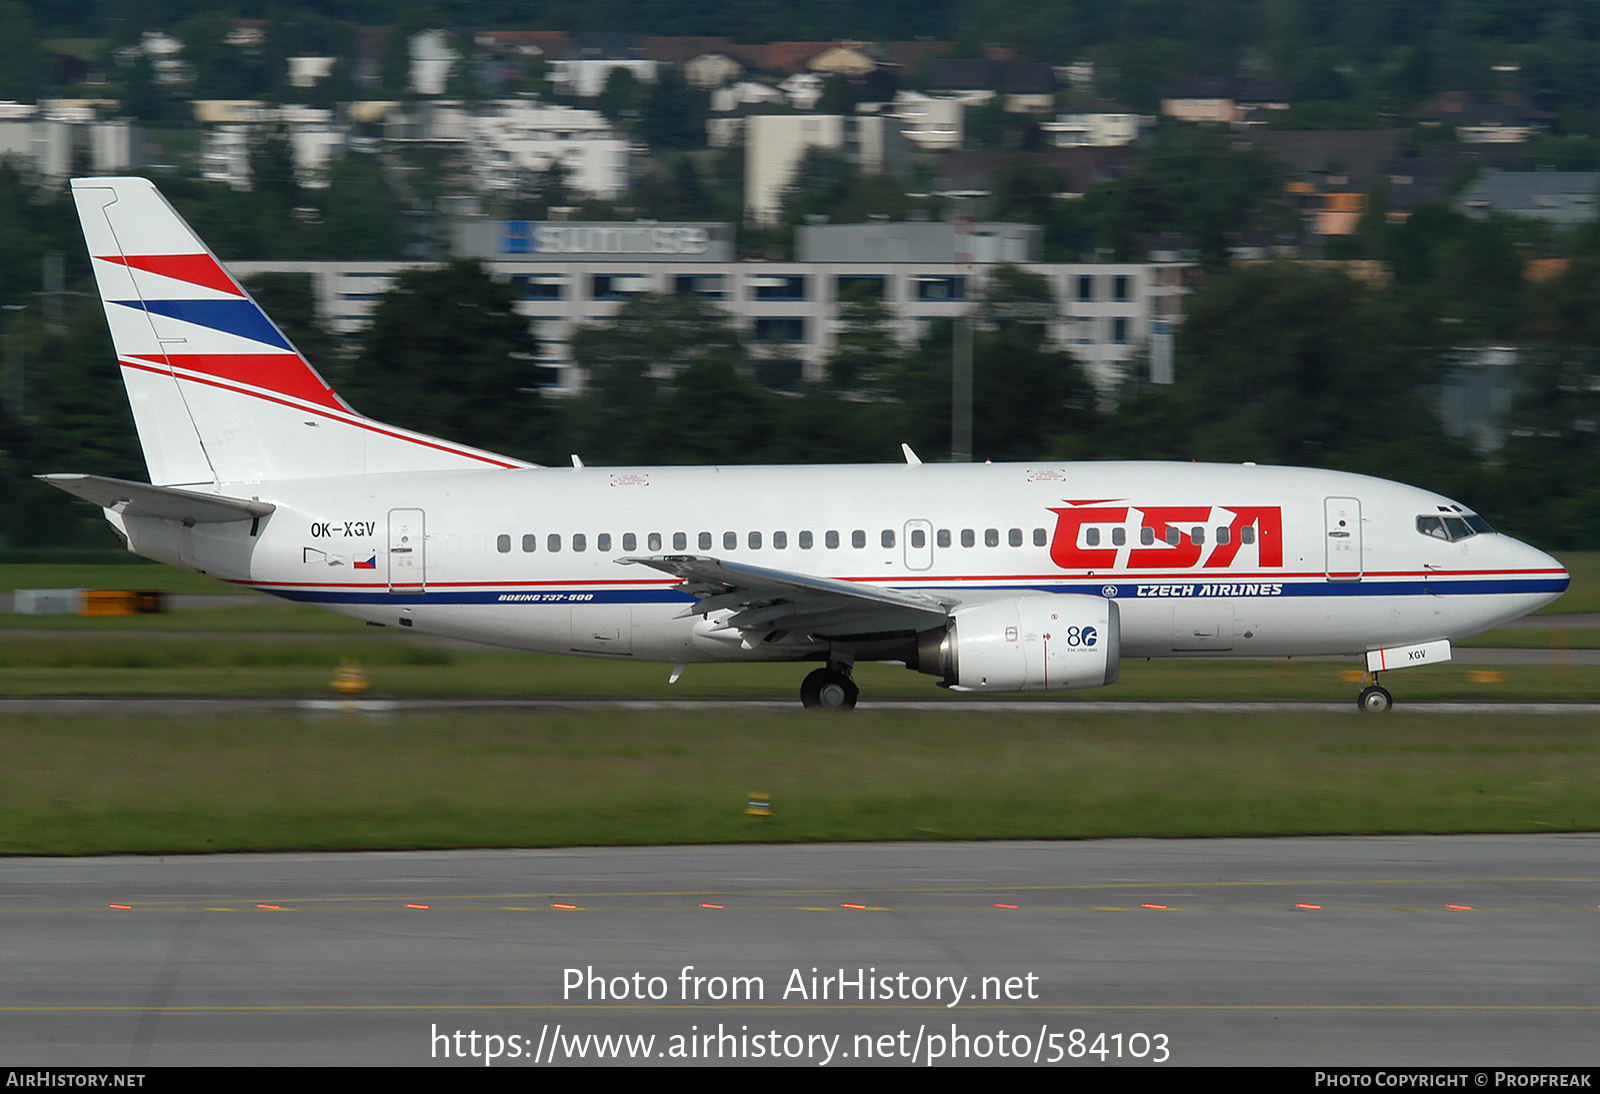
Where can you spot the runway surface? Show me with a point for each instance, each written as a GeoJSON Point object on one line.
{"type": "Point", "coordinates": [222, 705]}
{"type": "Point", "coordinates": [1429, 950]}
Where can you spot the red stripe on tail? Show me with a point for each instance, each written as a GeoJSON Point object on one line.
{"type": "Point", "coordinates": [199, 269]}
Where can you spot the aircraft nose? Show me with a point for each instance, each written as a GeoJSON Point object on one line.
{"type": "Point", "coordinates": [1546, 574]}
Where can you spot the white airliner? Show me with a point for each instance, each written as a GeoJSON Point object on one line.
{"type": "Point", "coordinates": [992, 577]}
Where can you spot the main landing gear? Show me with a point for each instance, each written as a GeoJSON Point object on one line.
{"type": "Point", "coordinates": [1373, 698]}
{"type": "Point", "coordinates": [829, 689]}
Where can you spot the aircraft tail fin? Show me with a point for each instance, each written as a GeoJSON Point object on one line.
{"type": "Point", "coordinates": [218, 392]}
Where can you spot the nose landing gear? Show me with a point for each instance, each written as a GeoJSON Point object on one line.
{"type": "Point", "coordinates": [1373, 698]}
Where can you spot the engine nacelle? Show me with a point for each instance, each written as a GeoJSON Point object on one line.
{"type": "Point", "coordinates": [1032, 643]}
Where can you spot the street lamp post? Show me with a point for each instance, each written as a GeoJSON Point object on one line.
{"type": "Point", "coordinates": [16, 368]}
{"type": "Point", "coordinates": [961, 337]}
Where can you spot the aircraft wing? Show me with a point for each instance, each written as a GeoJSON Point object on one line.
{"type": "Point", "coordinates": [140, 499]}
{"type": "Point", "coordinates": [769, 600]}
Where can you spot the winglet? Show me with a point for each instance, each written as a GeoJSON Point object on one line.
{"type": "Point", "coordinates": [911, 457]}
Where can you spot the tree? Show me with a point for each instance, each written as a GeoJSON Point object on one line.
{"type": "Point", "coordinates": [673, 114]}
{"type": "Point", "coordinates": [1288, 363]}
{"type": "Point", "coordinates": [1194, 182]}
{"type": "Point", "coordinates": [272, 167]}
{"type": "Point", "coordinates": [632, 363]}
{"type": "Point", "coordinates": [447, 354]}
{"type": "Point", "coordinates": [361, 217]}
{"type": "Point", "coordinates": [864, 348]}
{"type": "Point", "coordinates": [619, 98]}
{"type": "Point", "coordinates": [23, 73]}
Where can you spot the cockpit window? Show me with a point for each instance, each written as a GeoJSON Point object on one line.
{"type": "Point", "coordinates": [1453, 528]}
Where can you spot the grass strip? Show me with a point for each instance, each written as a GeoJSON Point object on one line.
{"type": "Point", "coordinates": [94, 784]}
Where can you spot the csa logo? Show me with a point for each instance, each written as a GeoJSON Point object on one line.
{"type": "Point", "coordinates": [1163, 537]}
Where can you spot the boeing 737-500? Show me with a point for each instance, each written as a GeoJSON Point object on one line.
{"type": "Point", "coordinates": [991, 577]}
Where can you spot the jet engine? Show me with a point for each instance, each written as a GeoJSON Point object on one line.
{"type": "Point", "coordinates": [1031, 643]}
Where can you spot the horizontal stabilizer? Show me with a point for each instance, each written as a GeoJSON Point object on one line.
{"type": "Point", "coordinates": [140, 499]}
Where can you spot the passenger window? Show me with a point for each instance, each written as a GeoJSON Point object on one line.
{"type": "Point", "coordinates": [1014, 537]}
{"type": "Point", "coordinates": [1197, 535]}
{"type": "Point", "coordinates": [603, 541]}
{"type": "Point", "coordinates": [529, 543]}
{"type": "Point", "coordinates": [805, 541]}
{"type": "Point", "coordinates": [553, 544]}
{"type": "Point", "coordinates": [1119, 537]}
{"type": "Point", "coordinates": [1039, 538]}
{"type": "Point", "coordinates": [654, 541]}
{"type": "Point", "coordinates": [1173, 536]}
{"type": "Point", "coordinates": [1091, 537]}
{"type": "Point", "coordinates": [1147, 535]}
{"type": "Point", "coordinates": [919, 538]}
{"type": "Point", "coordinates": [1224, 535]}
{"type": "Point", "coordinates": [780, 541]}
{"type": "Point", "coordinates": [680, 541]}
{"type": "Point", "coordinates": [858, 539]}
{"type": "Point", "coordinates": [580, 542]}
{"type": "Point", "coordinates": [705, 541]}
{"type": "Point", "coordinates": [967, 538]}
{"type": "Point", "coordinates": [630, 542]}
{"type": "Point", "coordinates": [1247, 534]}
{"type": "Point", "coordinates": [991, 537]}
{"type": "Point", "coordinates": [754, 539]}
{"type": "Point", "coordinates": [831, 539]}
{"type": "Point", "coordinates": [730, 540]}
{"type": "Point", "coordinates": [887, 539]}
{"type": "Point", "coordinates": [943, 537]}
{"type": "Point", "coordinates": [503, 544]}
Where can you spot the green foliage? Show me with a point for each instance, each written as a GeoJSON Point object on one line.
{"type": "Point", "coordinates": [633, 362]}
{"type": "Point", "coordinates": [222, 70]}
{"type": "Point", "coordinates": [272, 169]}
{"type": "Point", "coordinates": [864, 345]}
{"type": "Point", "coordinates": [673, 114]}
{"type": "Point", "coordinates": [1287, 363]}
{"type": "Point", "coordinates": [674, 189]}
{"type": "Point", "coordinates": [448, 355]}
{"type": "Point", "coordinates": [827, 185]}
{"type": "Point", "coordinates": [24, 73]}
{"type": "Point", "coordinates": [990, 127]}
{"type": "Point", "coordinates": [359, 216]}
{"type": "Point", "coordinates": [619, 98]}
{"type": "Point", "coordinates": [1195, 182]}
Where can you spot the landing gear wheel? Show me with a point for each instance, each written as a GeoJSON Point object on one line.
{"type": "Point", "coordinates": [827, 689]}
{"type": "Point", "coordinates": [1374, 700]}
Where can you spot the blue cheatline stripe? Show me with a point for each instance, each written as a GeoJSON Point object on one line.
{"type": "Point", "coordinates": [486, 596]}
{"type": "Point", "coordinates": [237, 317]}
{"type": "Point", "coordinates": [1129, 590]}
{"type": "Point", "coordinates": [1123, 591]}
